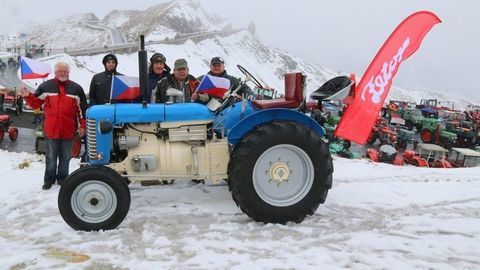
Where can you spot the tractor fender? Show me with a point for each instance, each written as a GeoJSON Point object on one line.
{"type": "Point", "coordinates": [244, 126]}
{"type": "Point", "coordinates": [421, 161]}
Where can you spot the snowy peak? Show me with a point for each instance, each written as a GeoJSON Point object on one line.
{"type": "Point", "coordinates": [171, 18]}
{"type": "Point", "coordinates": [158, 22]}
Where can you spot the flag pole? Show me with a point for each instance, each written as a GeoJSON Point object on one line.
{"type": "Point", "coordinates": [111, 88]}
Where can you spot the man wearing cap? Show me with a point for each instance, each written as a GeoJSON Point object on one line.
{"type": "Point", "coordinates": [217, 68]}
{"type": "Point", "coordinates": [157, 70]}
{"type": "Point", "coordinates": [180, 80]}
{"type": "Point", "coordinates": [101, 83]}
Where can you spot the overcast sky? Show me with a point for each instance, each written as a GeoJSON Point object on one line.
{"type": "Point", "coordinates": [340, 35]}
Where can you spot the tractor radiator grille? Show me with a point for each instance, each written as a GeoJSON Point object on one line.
{"type": "Point", "coordinates": [91, 139]}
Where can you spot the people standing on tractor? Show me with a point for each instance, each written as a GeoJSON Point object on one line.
{"type": "Point", "coordinates": [64, 104]}
{"type": "Point", "coordinates": [157, 70]}
{"type": "Point", "coordinates": [180, 80]}
{"type": "Point", "coordinates": [217, 68]}
{"type": "Point", "coordinates": [101, 83]}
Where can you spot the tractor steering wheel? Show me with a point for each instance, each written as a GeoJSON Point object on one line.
{"type": "Point", "coordinates": [250, 76]}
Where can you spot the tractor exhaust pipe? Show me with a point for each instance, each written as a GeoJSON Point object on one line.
{"type": "Point", "coordinates": [143, 71]}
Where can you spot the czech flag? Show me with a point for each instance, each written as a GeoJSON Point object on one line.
{"type": "Point", "coordinates": [32, 69]}
{"type": "Point", "coordinates": [125, 88]}
{"type": "Point", "coordinates": [214, 86]}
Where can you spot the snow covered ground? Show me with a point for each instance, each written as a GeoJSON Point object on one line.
{"type": "Point", "coordinates": [376, 217]}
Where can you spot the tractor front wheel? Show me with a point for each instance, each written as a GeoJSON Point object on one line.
{"type": "Point", "coordinates": [94, 198]}
{"type": "Point", "coordinates": [280, 172]}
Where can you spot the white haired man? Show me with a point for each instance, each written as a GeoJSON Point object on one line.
{"type": "Point", "coordinates": [64, 104]}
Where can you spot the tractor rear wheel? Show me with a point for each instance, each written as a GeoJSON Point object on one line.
{"type": "Point", "coordinates": [427, 136]}
{"type": "Point", "coordinates": [94, 198]}
{"type": "Point", "coordinates": [280, 172]}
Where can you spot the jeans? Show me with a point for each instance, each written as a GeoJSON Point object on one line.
{"type": "Point", "coordinates": [56, 149]}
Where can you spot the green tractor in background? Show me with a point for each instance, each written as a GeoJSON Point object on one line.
{"type": "Point", "coordinates": [456, 122]}
{"type": "Point", "coordinates": [413, 118]}
{"type": "Point", "coordinates": [434, 131]}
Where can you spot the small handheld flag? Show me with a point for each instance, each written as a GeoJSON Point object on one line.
{"type": "Point", "coordinates": [125, 88]}
{"type": "Point", "coordinates": [214, 86]}
{"type": "Point", "coordinates": [32, 69]}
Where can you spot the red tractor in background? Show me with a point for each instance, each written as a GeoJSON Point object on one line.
{"type": "Point", "coordinates": [5, 126]}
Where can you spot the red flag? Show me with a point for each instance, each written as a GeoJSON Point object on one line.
{"type": "Point", "coordinates": [357, 122]}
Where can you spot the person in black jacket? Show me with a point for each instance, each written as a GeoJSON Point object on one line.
{"type": "Point", "coordinates": [101, 83]}
{"type": "Point", "coordinates": [157, 70]}
{"type": "Point", "coordinates": [180, 80]}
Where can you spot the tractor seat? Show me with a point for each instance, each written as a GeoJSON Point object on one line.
{"type": "Point", "coordinates": [4, 118]}
{"type": "Point", "coordinates": [293, 94]}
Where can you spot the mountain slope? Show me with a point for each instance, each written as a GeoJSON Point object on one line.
{"type": "Point", "coordinates": [170, 19]}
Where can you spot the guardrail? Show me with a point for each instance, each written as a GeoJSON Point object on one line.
{"type": "Point", "coordinates": [133, 46]}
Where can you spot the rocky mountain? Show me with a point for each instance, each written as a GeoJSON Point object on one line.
{"type": "Point", "coordinates": [168, 19]}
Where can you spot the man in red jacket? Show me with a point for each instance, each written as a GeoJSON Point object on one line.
{"type": "Point", "coordinates": [64, 104]}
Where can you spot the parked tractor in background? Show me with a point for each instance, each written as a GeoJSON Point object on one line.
{"type": "Point", "coordinates": [434, 131]}
{"type": "Point", "coordinates": [455, 122]}
{"type": "Point", "coordinates": [428, 155]}
{"type": "Point", "coordinates": [383, 132]}
{"type": "Point", "coordinates": [6, 127]}
{"type": "Point", "coordinates": [272, 156]}
{"type": "Point", "coordinates": [413, 118]}
{"type": "Point", "coordinates": [9, 101]}
{"type": "Point", "coordinates": [464, 157]}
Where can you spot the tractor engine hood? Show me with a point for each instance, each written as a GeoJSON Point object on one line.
{"type": "Point", "coordinates": [135, 113]}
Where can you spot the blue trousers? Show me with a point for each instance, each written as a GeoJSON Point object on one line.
{"type": "Point", "coordinates": [56, 150]}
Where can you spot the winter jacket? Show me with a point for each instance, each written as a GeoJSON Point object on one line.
{"type": "Point", "coordinates": [153, 80]}
{"type": "Point", "coordinates": [234, 82]}
{"type": "Point", "coordinates": [64, 106]}
{"type": "Point", "coordinates": [187, 87]}
{"type": "Point", "coordinates": [100, 87]}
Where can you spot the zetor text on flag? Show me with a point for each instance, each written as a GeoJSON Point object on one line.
{"type": "Point", "coordinates": [214, 86]}
{"type": "Point", "coordinates": [125, 88]}
{"type": "Point", "coordinates": [357, 122]}
{"type": "Point", "coordinates": [32, 69]}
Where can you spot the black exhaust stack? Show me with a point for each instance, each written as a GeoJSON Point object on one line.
{"type": "Point", "coordinates": [143, 71]}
